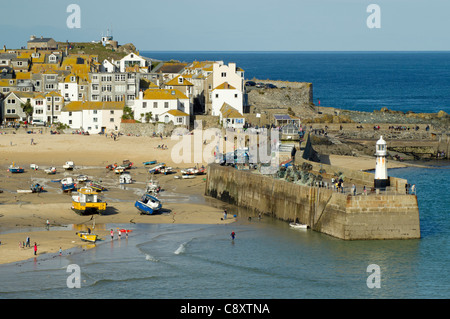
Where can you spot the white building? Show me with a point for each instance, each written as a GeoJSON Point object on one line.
{"type": "Point", "coordinates": [228, 73]}
{"type": "Point", "coordinates": [93, 117]}
{"type": "Point", "coordinates": [158, 102]}
{"type": "Point", "coordinates": [69, 88]}
{"type": "Point", "coordinates": [133, 60]}
{"type": "Point", "coordinates": [226, 93]}
{"type": "Point", "coordinates": [108, 66]}
{"type": "Point", "coordinates": [230, 117]}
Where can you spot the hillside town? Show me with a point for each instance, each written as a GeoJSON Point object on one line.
{"type": "Point", "coordinates": [45, 84]}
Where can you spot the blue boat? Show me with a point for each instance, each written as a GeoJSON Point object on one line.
{"type": "Point", "coordinates": [157, 169]}
{"type": "Point", "coordinates": [15, 169]}
{"type": "Point", "coordinates": [149, 162]}
{"type": "Point", "coordinates": [67, 184]}
{"type": "Point", "coordinates": [148, 205]}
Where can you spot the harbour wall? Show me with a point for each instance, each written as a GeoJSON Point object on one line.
{"type": "Point", "coordinates": [344, 216]}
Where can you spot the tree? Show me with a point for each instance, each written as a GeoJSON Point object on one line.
{"type": "Point", "coordinates": [27, 109]}
{"type": "Point", "coordinates": [148, 116]}
{"type": "Point", "coordinates": [128, 113]}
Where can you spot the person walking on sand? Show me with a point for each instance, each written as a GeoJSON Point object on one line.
{"type": "Point", "coordinates": [112, 234]}
{"type": "Point", "coordinates": [60, 251]}
{"type": "Point", "coordinates": [35, 249]}
{"type": "Point", "coordinates": [225, 214]}
{"type": "Point", "coordinates": [27, 244]}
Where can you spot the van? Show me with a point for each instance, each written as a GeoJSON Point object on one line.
{"type": "Point", "coordinates": [38, 122]}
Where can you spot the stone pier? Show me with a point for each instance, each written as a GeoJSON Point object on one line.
{"type": "Point", "coordinates": [383, 215]}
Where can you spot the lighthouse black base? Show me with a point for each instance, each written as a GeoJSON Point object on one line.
{"type": "Point", "coordinates": [381, 183]}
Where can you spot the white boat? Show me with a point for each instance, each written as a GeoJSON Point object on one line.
{"type": "Point", "coordinates": [153, 187]}
{"type": "Point", "coordinates": [190, 171]}
{"type": "Point", "coordinates": [119, 169]}
{"type": "Point", "coordinates": [34, 167]}
{"type": "Point", "coordinates": [298, 226]}
{"type": "Point", "coordinates": [69, 165]}
{"type": "Point", "coordinates": [166, 170]}
{"type": "Point", "coordinates": [82, 178]}
{"type": "Point", "coordinates": [125, 178]}
{"type": "Point", "coordinates": [148, 205]}
{"type": "Point", "coordinates": [50, 170]}
{"type": "Point", "coordinates": [188, 176]}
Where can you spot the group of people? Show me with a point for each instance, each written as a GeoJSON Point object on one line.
{"type": "Point", "coordinates": [27, 243]}
{"type": "Point", "coordinates": [410, 189]}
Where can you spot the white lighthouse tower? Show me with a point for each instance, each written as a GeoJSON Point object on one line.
{"type": "Point", "coordinates": [381, 177]}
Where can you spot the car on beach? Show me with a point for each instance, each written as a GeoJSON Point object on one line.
{"type": "Point", "coordinates": [260, 85]}
{"type": "Point", "coordinates": [270, 86]}
{"type": "Point", "coordinates": [250, 83]}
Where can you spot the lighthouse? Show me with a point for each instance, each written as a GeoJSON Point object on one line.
{"type": "Point", "coordinates": [381, 177]}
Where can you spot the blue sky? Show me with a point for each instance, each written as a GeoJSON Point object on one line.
{"type": "Point", "coordinates": [235, 25]}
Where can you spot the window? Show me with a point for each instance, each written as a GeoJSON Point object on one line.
{"type": "Point", "coordinates": [94, 119]}
{"type": "Point", "coordinates": [217, 96]}
{"type": "Point", "coordinates": [111, 112]}
{"type": "Point", "coordinates": [94, 87]}
{"type": "Point", "coordinates": [107, 88]}
{"type": "Point", "coordinates": [70, 121]}
{"type": "Point", "coordinates": [56, 107]}
{"type": "Point", "coordinates": [144, 105]}
{"type": "Point", "coordinates": [180, 80]}
{"type": "Point", "coordinates": [66, 86]}
{"type": "Point", "coordinates": [179, 120]}
{"type": "Point", "coordinates": [94, 97]}
{"type": "Point", "coordinates": [39, 102]}
{"type": "Point", "coordinates": [118, 98]}
{"type": "Point", "coordinates": [57, 99]}
{"type": "Point", "coordinates": [235, 95]}
{"type": "Point", "coordinates": [106, 78]}
{"type": "Point", "coordinates": [111, 120]}
{"type": "Point", "coordinates": [155, 105]}
{"type": "Point", "coordinates": [70, 113]}
{"type": "Point", "coordinates": [94, 111]}
{"type": "Point", "coordinates": [224, 74]}
{"type": "Point", "coordinates": [166, 105]}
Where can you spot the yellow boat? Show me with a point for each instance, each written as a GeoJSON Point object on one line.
{"type": "Point", "coordinates": [88, 201]}
{"type": "Point", "coordinates": [85, 236]}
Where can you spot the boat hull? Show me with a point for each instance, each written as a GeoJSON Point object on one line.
{"type": "Point", "coordinates": [88, 208]}
{"type": "Point", "coordinates": [92, 238]}
{"type": "Point", "coordinates": [145, 209]}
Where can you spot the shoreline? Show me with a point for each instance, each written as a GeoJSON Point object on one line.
{"type": "Point", "coordinates": [183, 199]}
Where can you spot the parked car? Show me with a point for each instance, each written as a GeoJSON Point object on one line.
{"type": "Point", "coordinates": [250, 83]}
{"type": "Point", "coordinates": [270, 86]}
{"type": "Point", "coordinates": [38, 122]}
{"type": "Point", "coordinates": [259, 85]}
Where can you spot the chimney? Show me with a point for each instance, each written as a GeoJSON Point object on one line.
{"type": "Point", "coordinates": [141, 95]}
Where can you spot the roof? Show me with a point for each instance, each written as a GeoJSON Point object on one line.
{"type": "Point", "coordinates": [177, 113]}
{"type": "Point", "coordinates": [38, 40]}
{"type": "Point", "coordinates": [282, 117]}
{"type": "Point", "coordinates": [224, 86]}
{"type": "Point", "coordinates": [171, 68]}
{"type": "Point", "coordinates": [163, 94]}
{"type": "Point", "coordinates": [230, 112]}
{"type": "Point", "coordinates": [174, 81]}
{"type": "Point", "coordinates": [89, 105]}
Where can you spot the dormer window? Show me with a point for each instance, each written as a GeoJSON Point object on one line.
{"type": "Point", "coordinates": [180, 80]}
{"type": "Point", "coordinates": [72, 79]}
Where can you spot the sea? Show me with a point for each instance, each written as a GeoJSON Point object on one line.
{"type": "Point", "coordinates": [268, 260]}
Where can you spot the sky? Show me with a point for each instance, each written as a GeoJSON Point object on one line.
{"type": "Point", "coordinates": [235, 25]}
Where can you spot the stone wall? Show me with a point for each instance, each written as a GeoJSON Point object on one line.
{"type": "Point", "coordinates": [324, 210]}
{"type": "Point", "coordinates": [147, 129]}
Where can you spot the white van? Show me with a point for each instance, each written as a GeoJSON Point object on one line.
{"type": "Point", "coordinates": [38, 122]}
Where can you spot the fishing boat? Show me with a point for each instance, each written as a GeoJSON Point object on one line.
{"type": "Point", "coordinates": [15, 169]}
{"type": "Point", "coordinates": [148, 204]}
{"type": "Point", "coordinates": [157, 168]}
{"type": "Point", "coordinates": [153, 187]}
{"type": "Point", "coordinates": [67, 184]}
{"type": "Point", "coordinates": [187, 176]}
{"type": "Point", "coordinates": [88, 201]}
{"type": "Point", "coordinates": [298, 226]}
{"type": "Point", "coordinates": [166, 170]}
{"type": "Point", "coordinates": [111, 167]}
{"type": "Point", "coordinates": [125, 178]}
{"type": "Point", "coordinates": [36, 188]}
{"type": "Point", "coordinates": [126, 164]}
{"type": "Point", "coordinates": [50, 170]}
{"type": "Point", "coordinates": [201, 171]}
{"type": "Point", "coordinates": [69, 166]}
{"type": "Point", "coordinates": [82, 178]}
{"type": "Point", "coordinates": [34, 167]}
{"type": "Point", "coordinates": [149, 162]}
{"type": "Point", "coordinates": [189, 171]}
{"type": "Point", "coordinates": [96, 186]}
{"type": "Point", "coordinates": [85, 236]}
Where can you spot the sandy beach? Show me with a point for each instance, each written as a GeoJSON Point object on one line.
{"type": "Point", "coordinates": [25, 214]}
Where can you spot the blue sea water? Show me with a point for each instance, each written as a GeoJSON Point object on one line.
{"type": "Point", "coordinates": [362, 81]}
{"type": "Point", "coordinates": [268, 259]}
